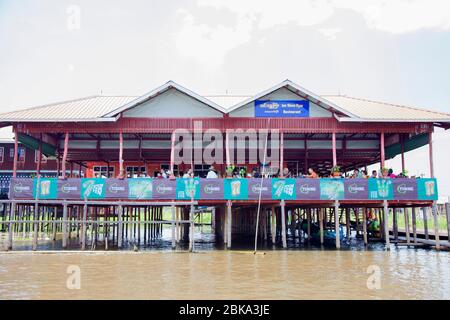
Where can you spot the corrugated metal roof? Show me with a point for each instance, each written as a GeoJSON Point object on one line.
{"type": "Point", "coordinates": [103, 108]}
{"type": "Point", "coordinates": [88, 108]}
{"type": "Point", "coordinates": [375, 110]}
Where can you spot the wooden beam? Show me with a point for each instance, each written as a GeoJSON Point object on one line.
{"type": "Point", "coordinates": [64, 159]}
{"type": "Point", "coordinates": [333, 138]}
{"type": "Point", "coordinates": [16, 152]}
{"type": "Point", "coordinates": [430, 149]}
{"type": "Point", "coordinates": [281, 153]}
{"type": "Point", "coordinates": [121, 171]}
{"type": "Point", "coordinates": [382, 153]}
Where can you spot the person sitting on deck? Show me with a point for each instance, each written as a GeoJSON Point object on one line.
{"type": "Point", "coordinates": [255, 173]}
{"type": "Point", "coordinates": [211, 173]}
{"type": "Point", "coordinates": [391, 174]}
{"type": "Point", "coordinates": [188, 174]}
{"type": "Point", "coordinates": [286, 173]}
{"type": "Point", "coordinates": [312, 174]}
{"type": "Point", "coordinates": [364, 174]}
{"type": "Point", "coordinates": [374, 174]}
{"type": "Point", "coordinates": [356, 174]}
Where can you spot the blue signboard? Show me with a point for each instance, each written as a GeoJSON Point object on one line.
{"type": "Point", "coordinates": [281, 108]}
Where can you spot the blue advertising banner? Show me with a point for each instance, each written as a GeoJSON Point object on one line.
{"type": "Point", "coordinates": [46, 188]}
{"type": "Point", "coordinates": [164, 189]}
{"type": "Point", "coordinates": [405, 189]}
{"type": "Point", "coordinates": [356, 189]}
{"type": "Point", "coordinates": [93, 188]}
{"type": "Point", "coordinates": [254, 189]}
{"type": "Point", "coordinates": [235, 189]}
{"type": "Point", "coordinates": [427, 189]}
{"type": "Point", "coordinates": [308, 189]}
{"type": "Point", "coordinates": [332, 189]}
{"type": "Point", "coordinates": [211, 189]}
{"type": "Point", "coordinates": [283, 189]}
{"type": "Point", "coordinates": [281, 108]}
{"type": "Point", "coordinates": [380, 189]}
{"type": "Point", "coordinates": [188, 188]}
{"type": "Point", "coordinates": [69, 189]}
{"type": "Point", "coordinates": [225, 189]}
{"type": "Point", "coordinates": [21, 188]}
{"type": "Point", "coordinates": [140, 188]}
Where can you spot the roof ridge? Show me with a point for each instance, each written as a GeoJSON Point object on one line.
{"type": "Point", "coordinates": [51, 104]}
{"type": "Point", "coordinates": [395, 105]}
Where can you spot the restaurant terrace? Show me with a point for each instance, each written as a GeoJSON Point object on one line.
{"type": "Point", "coordinates": [286, 163]}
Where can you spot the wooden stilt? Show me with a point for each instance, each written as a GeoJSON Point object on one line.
{"type": "Point", "coordinates": [425, 222]}
{"type": "Point", "coordinates": [64, 226]}
{"type": "Point", "coordinates": [83, 227]}
{"type": "Point", "coordinates": [11, 226]}
{"type": "Point", "coordinates": [436, 226]}
{"type": "Point", "coordinates": [447, 211]}
{"type": "Point", "coordinates": [191, 237]}
{"type": "Point", "coordinates": [386, 224]}
{"type": "Point", "coordinates": [336, 224]}
{"type": "Point", "coordinates": [173, 227]}
{"type": "Point", "coordinates": [347, 222]}
{"type": "Point", "coordinates": [273, 229]}
{"type": "Point", "coordinates": [36, 225]}
{"type": "Point", "coordinates": [308, 218]}
{"type": "Point", "coordinates": [229, 221]}
{"type": "Point", "coordinates": [405, 212]}
{"type": "Point", "coordinates": [414, 224]}
{"type": "Point", "coordinates": [395, 223]}
{"type": "Point", "coordinates": [364, 214]}
{"type": "Point", "coordinates": [321, 213]}
{"type": "Point", "coordinates": [283, 224]}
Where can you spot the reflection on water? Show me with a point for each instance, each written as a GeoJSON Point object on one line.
{"type": "Point", "coordinates": [328, 274]}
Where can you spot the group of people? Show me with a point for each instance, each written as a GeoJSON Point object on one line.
{"type": "Point", "coordinates": [255, 173]}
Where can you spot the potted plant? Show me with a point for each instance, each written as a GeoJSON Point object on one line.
{"type": "Point", "coordinates": [336, 171]}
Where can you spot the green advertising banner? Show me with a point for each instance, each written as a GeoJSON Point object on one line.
{"type": "Point", "coordinates": [235, 189]}
{"type": "Point", "coordinates": [381, 189]}
{"type": "Point", "coordinates": [284, 189]}
{"type": "Point", "coordinates": [93, 188]}
{"type": "Point", "coordinates": [46, 188]}
{"type": "Point", "coordinates": [427, 189]}
{"type": "Point", "coordinates": [140, 188]}
{"type": "Point", "coordinates": [332, 189]}
{"type": "Point", "coordinates": [188, 188]}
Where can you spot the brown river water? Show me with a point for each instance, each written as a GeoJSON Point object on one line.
{"type": "Point", "coordinates": [220, 274]}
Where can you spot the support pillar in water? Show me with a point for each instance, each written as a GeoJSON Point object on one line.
{"type": "Point", "coordinates": [386, 224]}
{"type": "Point", "coordinates": [436, 226]}
{"type": "Point", "coordinates": [336, 224]}
{"type": "Point", "coordinates": [283, 224]}
{"type": "Point", "coordinates": [229, 224]}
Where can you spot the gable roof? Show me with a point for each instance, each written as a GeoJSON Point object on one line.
{"type": "Point", "coordinates": [369, 110]}
{"type": "Point", "coordinates": [167, 86]}
{"type": "Point", "coordinates": [306, 94]}
{"type": "Point", "coordinates": [107, 108]}
{"type": "Point", "coordinates": [90, 108]}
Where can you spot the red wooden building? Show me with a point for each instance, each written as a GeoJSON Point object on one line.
{"type": "Point", "coordinates": [98, 132]}
{"type": "Point", "coordinates": [123, 136]}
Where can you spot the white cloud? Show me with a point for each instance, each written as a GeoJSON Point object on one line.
{"type": "Point", "coordinates": [330, 33]}
{"type": "Point", "coordinates": [401, 16]}
{"type": "Point", "coordinates": [209, 44]}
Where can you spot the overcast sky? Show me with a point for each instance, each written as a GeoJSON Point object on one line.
{"type": "Point", "coordinates": [395, 51]}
